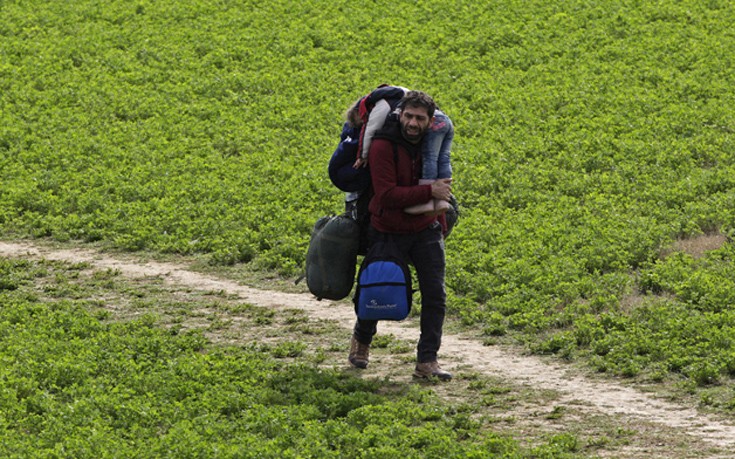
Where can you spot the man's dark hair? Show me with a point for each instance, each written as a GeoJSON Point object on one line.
{"type": "Point", "coordinates": [419, 99]}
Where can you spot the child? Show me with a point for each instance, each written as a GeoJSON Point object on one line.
{"type": "Point", "coordinates": [435, 153]}
{"type": "Point", "coordinates": [370, 113]}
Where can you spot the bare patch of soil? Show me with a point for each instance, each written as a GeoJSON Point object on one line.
{"type": "Point", "coordinates": [699, 245]}
{"type": "Point", "coordinates": [586, 397]}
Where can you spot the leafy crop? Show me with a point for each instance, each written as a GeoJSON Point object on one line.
{"type": "Point", "coordinates": [590, 137]}
{"type": "Point", "coordinates": [76, 384]}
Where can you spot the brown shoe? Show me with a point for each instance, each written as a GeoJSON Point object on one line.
{"type": "Point", "coordinates": [359, 354]}
{"type": "Point", "coordinates": [431, 369]}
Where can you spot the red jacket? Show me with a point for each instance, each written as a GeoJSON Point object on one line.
{"type": "Point", "coordinates": [395, 177]}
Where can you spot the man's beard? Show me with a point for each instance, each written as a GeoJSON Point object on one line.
{"type": "Point", "coordinates": [414, 137]}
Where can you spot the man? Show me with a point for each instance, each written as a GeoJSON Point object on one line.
{"type": "Point", "coordinates": [395, 163]}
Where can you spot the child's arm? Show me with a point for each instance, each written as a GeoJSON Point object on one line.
{"type": "Point", "coordinates": [375, 122]}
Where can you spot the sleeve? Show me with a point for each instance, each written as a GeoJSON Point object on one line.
{"type": "Point", "coordinates": [389, 192]}
{"type": "Point", "coordinates": [376, 120]}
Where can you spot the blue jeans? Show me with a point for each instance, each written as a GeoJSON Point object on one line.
{"type": "Point", "coordinates": [436, 148]}
{"type": "Point", "coordinates": [425, 251]}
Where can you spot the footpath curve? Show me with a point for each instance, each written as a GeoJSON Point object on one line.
{"type": "Point", "coordinates": [608, 397]}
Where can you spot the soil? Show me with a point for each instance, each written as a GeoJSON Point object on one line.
{"type": "Point", "coordinates": [593, 396]}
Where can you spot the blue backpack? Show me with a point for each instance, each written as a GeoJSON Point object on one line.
{"type": "Point", "coordinates": [383, 290]}
{"type": "Point", "coordinates": [341, 173]}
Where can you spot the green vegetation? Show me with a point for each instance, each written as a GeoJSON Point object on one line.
{"type": "Point", "coordinates": [591, 136]}
{"type": "Point", "coordinates": [77, 382]}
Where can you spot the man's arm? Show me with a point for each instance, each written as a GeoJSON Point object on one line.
{"type": "Point", "coordinates": [394, 191]}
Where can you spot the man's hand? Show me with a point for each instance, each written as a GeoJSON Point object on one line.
{"type": "Point", "coordinates": [442, 189]}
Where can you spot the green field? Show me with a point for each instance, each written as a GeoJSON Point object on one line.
{"type": "Point", "coordinates": [593, 157]}
{"type": "Point", "coordinates": [78, 382]}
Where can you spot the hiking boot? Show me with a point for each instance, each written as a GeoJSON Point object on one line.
{"type": "Point", "coordinates": [431, 369]}
{"type": "Point", "coordinates": [359, 354]}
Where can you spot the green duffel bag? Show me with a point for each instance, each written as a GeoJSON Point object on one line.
{"type": "Point", "coordinates": [331, 260]}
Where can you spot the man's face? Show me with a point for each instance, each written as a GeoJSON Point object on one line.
{"type": "Point", "coordinates": [414, 123]}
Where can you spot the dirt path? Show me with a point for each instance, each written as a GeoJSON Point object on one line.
{"type": "Point", "coordinates": [606, 398]}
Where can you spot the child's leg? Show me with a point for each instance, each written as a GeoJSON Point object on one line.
{"type": "Point", "coordinates": [435, 156]}
{"type": "Point", "coordinates": [429, 157]}
{"type": "Point", "coordinates": [444, 166]}
{"type": "Point", "coordinates": [437, 143]}
{"type": "Point", "coordinates": [435, 152]}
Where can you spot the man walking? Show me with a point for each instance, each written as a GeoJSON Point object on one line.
{"type": "Point", "coordinates": [395, 168]}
